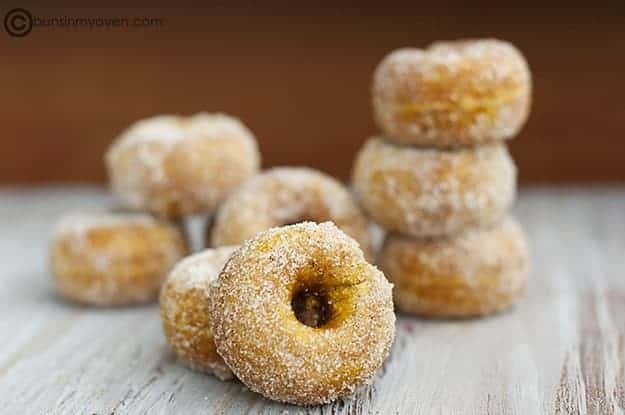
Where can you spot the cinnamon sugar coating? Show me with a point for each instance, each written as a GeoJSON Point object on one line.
{"type": "Point", "coordinates": [174, 166]}
{"type": "Point", "coordinates": [184, 311]}
{"type": "Point", "coordinates": [452, 93]}
{"type": "Point", "coordinates": [427, 192]}
{"type": "Point", "coordinates": [479, 272]}
{"type": "Point", "coordinates": [284, 196]}
{"type": "Point", "coordinates": [288, 356]}
{"type": "Point", "coordinates": [107, 259]}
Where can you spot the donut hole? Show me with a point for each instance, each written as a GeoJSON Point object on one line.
{"type": "Point", "coordinates": [312, 305]}
{"type": "Point", "coordinates": [300, 219]}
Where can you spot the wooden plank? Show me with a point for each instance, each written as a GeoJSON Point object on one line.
{"type": "Point", "coordinates": [561, 350]}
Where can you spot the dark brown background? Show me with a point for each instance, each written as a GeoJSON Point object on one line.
{"type": "Point", "coordinates": [299, 77]}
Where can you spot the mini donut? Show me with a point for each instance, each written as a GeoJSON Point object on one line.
{"type": "Point", "coordinates": [427, 192]}
{"type": "Point", "coordinates": [452, 93]}
{"type": "Point", "coordinates": [174, 166]}
{"type": "Point", "coordinates": [479, 272]}
{"type": "Point", "coordinates": [183, 304]}
{"type": "Point", "coordinates": [300, 316]}
{"type": "Point", "coordinates": [284, 196]}
{"type": "Point", "coordinates": [108, 259]}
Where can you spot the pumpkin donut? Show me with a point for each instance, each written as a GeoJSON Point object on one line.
{"type": "Point", "coordinates": [479, 272]}
{"type": "Point", "coordinates": [107, 259]}
{"type": "Point", "coordinates": [174, 166]}
{"type": "Point", "coordinates": [452, 93]}
{"type": "Point", "coordinates": [284, 196]}
{"type": "Point", "coordinates": [300, 316]}
{"type": "Point", "coordinates": [427, 192]}
{"type": "Point", "coordinates": [183, 304]}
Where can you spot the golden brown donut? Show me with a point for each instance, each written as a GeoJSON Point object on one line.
{"type": "Point", "coordinates": [184, 311]}
{"type": "Point", "coordinates": [476, 273]}
{"type": "Point", "coordinates": [174, 166]}
{"type": "Point", "coordinates": [284, 196]}
{"type": "Point", "coordinates": [106, 259]}
{"type": "Point", "coordinates": [452, 93]}
{"type": "Point", "coordinates": [427, 192]}
{"type": "Point", "coordinates": [300, 316]}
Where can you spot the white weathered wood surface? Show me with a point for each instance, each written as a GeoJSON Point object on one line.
{"type": "Point", "coordinates": [561, 350]}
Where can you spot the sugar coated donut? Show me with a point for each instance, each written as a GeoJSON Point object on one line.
{"type": "Point", "coordinates": [184, 310]}
{"type": "Point", "coordinates": [428, 192]}
{"type": "Point", "coordinates": [452, 93]}
{"type": "Point", "coordinates": [300, 316]}
{"type": "Point", "coordinates": [105, 258]}
{"type": "Point", "coordinates": [479, 272]}
{"type": "Point", "coordinates": [284, 196]}
{"type": "Point", "coordinates": [174, 166]}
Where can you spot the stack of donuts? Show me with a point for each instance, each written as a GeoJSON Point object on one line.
{"type": "Point", "coordinates": [440, 179]}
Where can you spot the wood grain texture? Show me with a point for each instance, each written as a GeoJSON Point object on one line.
{"type": "Point", "coordinates": [561, 350]}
